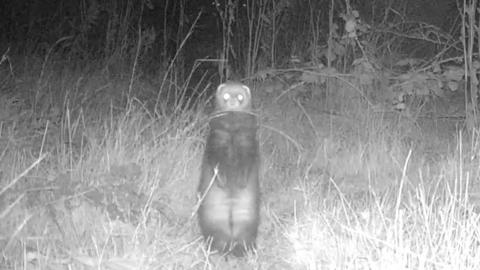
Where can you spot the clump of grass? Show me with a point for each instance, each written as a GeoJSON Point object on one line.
{"type": "Point", "coordinates": [417, 224]}
{"type": "Point", "coordinates": [101, 187]}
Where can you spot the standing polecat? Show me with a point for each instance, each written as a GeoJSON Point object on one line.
{"type": "Point", "coordinates": [229, 182]}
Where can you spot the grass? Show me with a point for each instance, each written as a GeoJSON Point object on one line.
{"type": "Point", "coordinates": [90, 178]}
{"type": "Point", "coordinates": [414, 229]}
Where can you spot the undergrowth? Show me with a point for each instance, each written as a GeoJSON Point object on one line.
{"type": "Point", "coordinates": [369, 153]}
{"type": "Point", "coordinates": [115, 187]}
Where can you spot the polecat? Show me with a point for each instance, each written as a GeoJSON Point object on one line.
{"type": "Point", "coordinates": [229, 182]}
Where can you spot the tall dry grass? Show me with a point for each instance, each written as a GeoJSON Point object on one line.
{"type": "Point", "coordinates": [99, 166]}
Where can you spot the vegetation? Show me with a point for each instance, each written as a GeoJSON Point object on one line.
{"type": "Point", "coordinates": [369, 131]}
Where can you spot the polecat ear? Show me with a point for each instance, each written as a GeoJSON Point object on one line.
{"type": "Point", "coordinates": [219, 88]}
{"type": "Point", "coordinates": [247, 90]}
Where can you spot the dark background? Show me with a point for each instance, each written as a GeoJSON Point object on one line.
{"type": "Point", "coordinates": [186, 38]}
{"type": "Point", "coordinates": [87, 32]}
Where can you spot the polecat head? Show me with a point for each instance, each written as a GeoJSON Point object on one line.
{"type": "Point", "coordinates": [233, 96]}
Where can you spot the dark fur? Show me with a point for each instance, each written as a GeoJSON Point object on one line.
{"type": "Point", "coordinates": [229, 213]}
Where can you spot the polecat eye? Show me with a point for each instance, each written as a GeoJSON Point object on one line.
{"type": "Point", "coordinates": [240, 97]}
{"type": "Point", "coordinates": [226, 96]}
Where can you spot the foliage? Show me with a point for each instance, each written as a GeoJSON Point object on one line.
{"type": "Point", "coordinates": [103, 112]}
